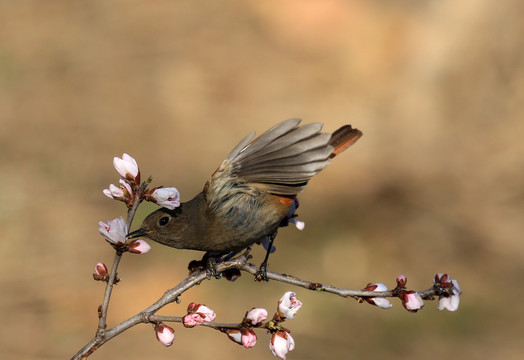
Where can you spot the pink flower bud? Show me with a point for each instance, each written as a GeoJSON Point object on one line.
{"type": "Point", "coordinates": [100, 269]}
{"type": "Point", "coordinates": [281, 343]}
{"type": "Point", "coordinates": [114, 231]}
{"type": "Point", "coordinates": [192, 320]}
{"type": "Point", "coordinates": [121, 192]}
{"type": "Point", "coordinates": [138, 247]}
{"type": "Point", "coordinates": [378, 301]}
{"type": "Point", "coordinates": [100, 272]}
{"type": "Point", "coordinates": [411, 300]}
{"type": "Point", "coordinates": [197, 314]}
{"type": "Point", "coordinates": [208, 314]}
{"type": "Point", "coordinates": [288, 305]}
{"type": "Point", "coordinates": [256, 316]}
{"type": "Point", "coordinates": [167, 197]}
{"type": "Point", "coordinates": [114, 192]}
{"type": "Point", "coordinates": [127, 168]}
{"type": "Point", "coordinates": [164, 334]}
{"type": "Point", "coordinates": [249, 338]}
{"type": "Point", "coordinates": [401, 281]}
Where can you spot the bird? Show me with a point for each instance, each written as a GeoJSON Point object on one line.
{"type": "Point", "coordinates": [251, 193]}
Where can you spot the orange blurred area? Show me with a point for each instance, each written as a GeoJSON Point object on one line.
{"type": "Point", "coordinates": [434, 185]}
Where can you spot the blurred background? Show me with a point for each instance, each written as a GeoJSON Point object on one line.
{"type": "Point", "coordinates": [436, 184]}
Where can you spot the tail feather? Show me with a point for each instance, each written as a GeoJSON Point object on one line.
{"type": "Point", "coordinates": [343, 138]}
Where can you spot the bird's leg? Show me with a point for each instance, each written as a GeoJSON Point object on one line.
{"type": "Point", "coordinates": [261, 274]}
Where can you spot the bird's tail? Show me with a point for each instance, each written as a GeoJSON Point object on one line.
{"type": "Point", "coordinates": [343, 138]}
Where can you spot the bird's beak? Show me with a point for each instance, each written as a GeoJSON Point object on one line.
{"type": "Point", "coordinates": [138, 233]}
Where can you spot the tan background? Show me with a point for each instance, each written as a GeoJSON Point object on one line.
{"type": "Point", "coordinates": [435, 184]}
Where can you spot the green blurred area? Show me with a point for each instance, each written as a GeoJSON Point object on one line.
{"type": "Point", "coordinates": [435, 185]}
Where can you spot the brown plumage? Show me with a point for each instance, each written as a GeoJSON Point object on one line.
{"type": "Point", "coordinates": [251, 192]}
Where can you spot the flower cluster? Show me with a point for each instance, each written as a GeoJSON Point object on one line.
{"type": "Point", "coordinates": [281, 341]}
{"type": "Point", "coordinates": [132, 191]}
{"type": "Point", "coordinates": [128, 169]}
{"type": "Point", "coordinates": [447, 289]}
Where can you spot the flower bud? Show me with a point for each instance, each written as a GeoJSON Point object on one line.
{"type": "Point", "coordinates": [378, 301]}
{"type": "Point", "coordinates": [256, 316]}
{"type": "Point", "coordinates": [249, 338]}
{"type": "Point", "coordinates": [122, 192]}
{"type": "Point", "coordinates": [127, 168]}
{"type": "Point", "coordinates": [166, 197]}
{"type": "Point", "coordinates": [164, 334]}
{"type": "Point", "coordinates": [288, 305]}
{"type": "Point", "coordinates": [114, 192]}
{"type": "Point", "coordinates": [401, 281]}
{"type": "Point", "coordinates": [114, 231]}
{"type": "Point", "coordinates": [192, 320]}
{"type": "Point", "coordinates": [100, 273]}
{"type": "Point", "coordinates": [411, 300]}
{"type": "Point", "coordinates": [281, 343]}
{"type": "Point", "coordinates": [234, 335]}
{"type": "Point", "coordinates": [138, 247]}
{"type": "Point", "coordinates": [198, 314]}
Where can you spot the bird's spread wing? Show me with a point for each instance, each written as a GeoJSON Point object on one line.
{"type": "Point", "coordinates": [280, 162]}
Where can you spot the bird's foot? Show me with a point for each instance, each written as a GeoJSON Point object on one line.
{"type": "Point", "coordinates": [211, 268]}
{"type": "Point", "coordinates": [261, 274]}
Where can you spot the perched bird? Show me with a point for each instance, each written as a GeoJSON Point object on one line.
{"type": "Point", "coordinates": [250, 194]}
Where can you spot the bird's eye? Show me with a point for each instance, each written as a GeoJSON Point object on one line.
{"type": "Point", "coordinates": [163, 221]}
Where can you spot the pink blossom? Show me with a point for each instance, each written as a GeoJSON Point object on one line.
{"type": "Point", "coordinates": [114, 231]}
{"type": "Point", "coordinates": [378, 301]}
{"type": "Point", "coordinates": [167, 197]}
{"type": "Point", "coordinates": [288, 305]}
{"type": "Point", "coordinates": [249, 338]}
{"type": "Point", "coordinates": [165, 334]}
{"type": "Point", "coordinates": [138, 247]}
{"type": "Point", "coordinates": [256, 316]}
{"type": "Point", "coordinates": [411, 300]}
{"type": "Point", "coordinates": [127, 167]}
{"type": "Point", "coordinates": [281, 343]}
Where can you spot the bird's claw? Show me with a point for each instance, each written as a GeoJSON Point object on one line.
{"type": "Point", "coordinates": [261, 274]}
{"type": "Point", "coordinates": [211, 269]}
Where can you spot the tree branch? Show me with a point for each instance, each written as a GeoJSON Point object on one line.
{"type": "Point", "coordinates": [240, 263]}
